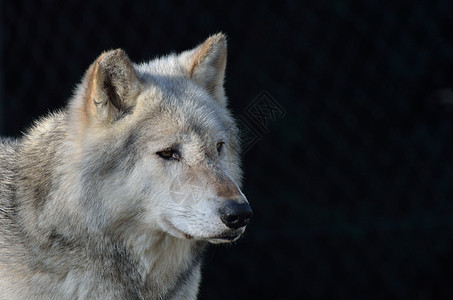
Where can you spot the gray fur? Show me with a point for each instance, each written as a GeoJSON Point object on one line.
{"type": "Point", "coordinates": [86, 203]}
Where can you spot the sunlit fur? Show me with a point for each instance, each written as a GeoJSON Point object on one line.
{"type": "Point", "coordinates": [88, 209]}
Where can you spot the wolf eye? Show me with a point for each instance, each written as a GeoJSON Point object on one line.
{"type": "Point", "coordinates": [169, 154]}
{"type": "Point", "coordinates": [219, 147]}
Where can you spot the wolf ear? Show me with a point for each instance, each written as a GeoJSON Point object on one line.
{"type": "Point", "coordinates": [206, 65]}
{"type": "Point", "coordinates": [113, 86]}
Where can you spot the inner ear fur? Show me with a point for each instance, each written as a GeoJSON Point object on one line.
{"type": "Point", "coordinates": [206, 64]}
{"type": "Point", "coordinates": [113, 86]}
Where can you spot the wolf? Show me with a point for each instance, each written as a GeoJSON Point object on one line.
{"type": "Point", "coordinates": [117, 195]}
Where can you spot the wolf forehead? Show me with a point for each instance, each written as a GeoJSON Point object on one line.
{"type": "Point", "coordinates": [179, 102]}
{"type": "Point", "coordinates": [179, 105]}
{"type": "Point", "coordinates": [173, 90]}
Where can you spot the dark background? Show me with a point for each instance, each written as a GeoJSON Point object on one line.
{"type": "Point", "coordinates": [351, 187]}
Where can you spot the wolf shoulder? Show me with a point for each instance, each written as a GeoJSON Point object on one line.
{"type": "Point", "coordinates": [8, 150]}
{"type": "Point", "coordinates": [8, 146]}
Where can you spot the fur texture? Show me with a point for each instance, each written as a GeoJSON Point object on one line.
{"type": "Point", "coordinates": [116, 196]}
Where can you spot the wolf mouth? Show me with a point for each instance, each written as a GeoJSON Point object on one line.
{"type": "Point", "coordinates": [227, 237]}
{"type": "Point", "coordinates": [180, 232]}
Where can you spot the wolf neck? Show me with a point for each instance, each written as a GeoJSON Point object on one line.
{"type": "Point", "coordinates": [165, 258]}
{"type": "Point", "coordinates": [164, 265]}
{"type": "Point", "coordinates": [153, 260]}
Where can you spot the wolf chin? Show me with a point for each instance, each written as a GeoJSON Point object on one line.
{"type": "Point", "coordinates": [117, 195]}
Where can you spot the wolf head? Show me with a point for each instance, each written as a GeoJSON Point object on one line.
{"type": "Point", "coordinates": [158, 147]}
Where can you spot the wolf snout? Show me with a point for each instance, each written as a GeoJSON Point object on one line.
{"type": "Point", "coordinates": [235, 214]}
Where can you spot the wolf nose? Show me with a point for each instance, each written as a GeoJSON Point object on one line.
{"type": "Point", "coordinates": [235, 215]}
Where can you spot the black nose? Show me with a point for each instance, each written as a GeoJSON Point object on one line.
{"type": "Point", "coordinates": [235, 215]}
